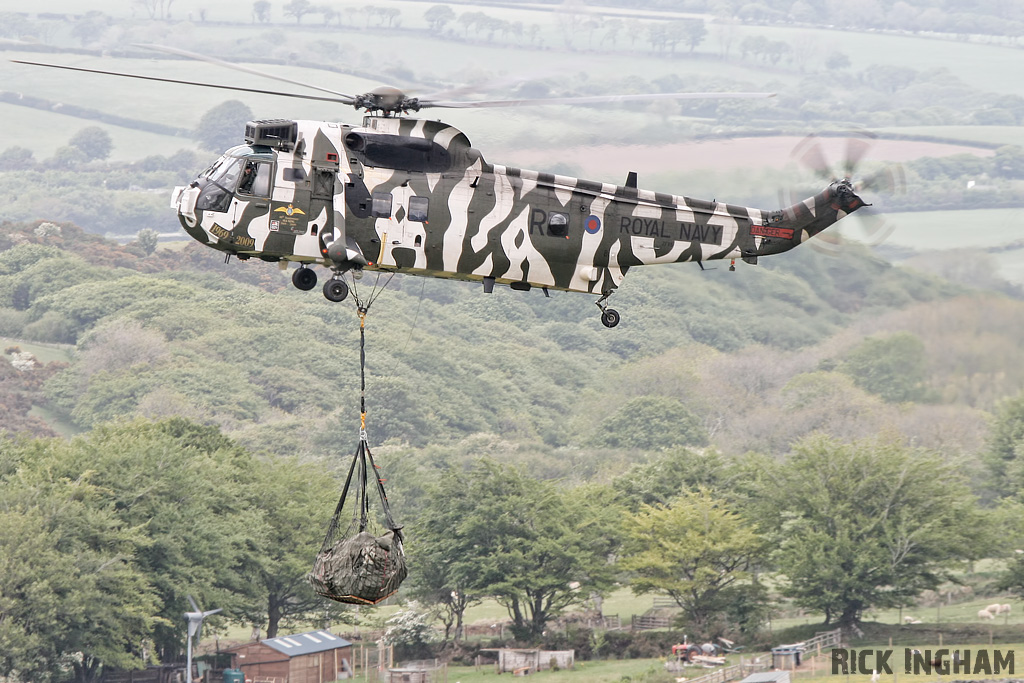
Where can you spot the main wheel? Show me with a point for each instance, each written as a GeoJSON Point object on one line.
{"type": "Point", "coordinates": [610, 317]}
{"type": "Point", "coordinates": [304, 278]}
{"type": "Point", "coordinates": [335, 290]}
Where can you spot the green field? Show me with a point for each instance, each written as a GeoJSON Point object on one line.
{"type": "Point", "coordinates": [978, 228]}
{"type": "Point", "coordinates": [44, 352]}
{"type": "Point", "coordinates": [1000, 135]}
{"type": "Point", "coordinates": [423, 64]}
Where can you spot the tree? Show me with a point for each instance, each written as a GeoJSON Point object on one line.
{"type": "Point", "coordinates": [692, 550]}
{"type": "Point", "coordinates": [223, 126]}
{"type": "Point", "coordinates": [90, 26]}
{"type": "Point", "coordinates": [1005, 447]}
{"type": "Point", "coordinates": [693, 32]}
{"type": "Point", "coordinates": [261, 11]}
{"type": "Point", "coordinates": [290, 495]}
{"type": "Point", "coordinates": [837, 61]}
{"type": "Point", "coordinates": [16, 159]}
{"type": "Point", "coordinates": [148, 238]}
{"type": "Point", "coordinates": [180, 484]}
{"type": "Point", "coordinates": [651, 422]}
{"type": "Point", "coordinates": [70, 590]}
{"type": "Point", "coordinates": [893, 367]}
{"type": "Point", "coordinates": [663, 479]}
{"type": "Point", "coordinates": [157, 9]}
{"type": "Point", "coordinates": [536, 549]}
{"type": "Point", "coordinates": [1008, 161]}
{"type": "Point", "coordinates": [867, 524]}
{"type": "Point", "coordinates": [439, 15]}
{"type": "Point", "coordinates": [408, 629]}
{"type": "Point", "coordinates": [298, 9]}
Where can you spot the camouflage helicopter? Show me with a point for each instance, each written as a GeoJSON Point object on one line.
{"type": "Point", "coordinates": [411, 195]}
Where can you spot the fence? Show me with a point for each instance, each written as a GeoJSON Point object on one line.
{"type": "Point", "coordinates": [730, 673]}
{"type": "Point", "coordinates": [824, 640]}
{"type": "Point", "coordinates": [645, 622]}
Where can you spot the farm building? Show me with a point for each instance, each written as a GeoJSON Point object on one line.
{"type": "Point", "coordinates": [313, 657]}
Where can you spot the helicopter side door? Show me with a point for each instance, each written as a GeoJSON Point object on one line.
{"type": "Point", "coordinates": [400, 221]}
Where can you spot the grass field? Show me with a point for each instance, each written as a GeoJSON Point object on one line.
{"type": "Point", "coordinates": [955, 229]}
{"type": "Point", "coordinates": [420, 63]}
{"type": "Point", "coordinates": [1001, 135]}
{"type": "Point", "coordinates": [44, 352]}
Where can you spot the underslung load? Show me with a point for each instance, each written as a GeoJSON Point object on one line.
{"type": "Point", "coordinates": [354, 565]}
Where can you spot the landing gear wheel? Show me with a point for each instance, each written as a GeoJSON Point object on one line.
{"type": "Point", "coordinates": [304, 278]}
{"type": "Point", "coordinates": [610, 317]}
{"type": "Point", "coordinates": [336, 290]}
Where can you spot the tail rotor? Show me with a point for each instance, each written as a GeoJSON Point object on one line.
{"type": "Point", "coordinates": [868, 226]}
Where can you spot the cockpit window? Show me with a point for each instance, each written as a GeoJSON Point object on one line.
{"type": "Point", "coordinates": [226, 173]}
{"type": "Point", "coordinates": [255, 180]}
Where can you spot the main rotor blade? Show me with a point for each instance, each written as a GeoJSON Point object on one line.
{"type": "Point", "coordinates": [348, 99]}
{"type": "Point", "coordinates": [597, 99]}
{"type": "Point", "coordinates": [174, 80]}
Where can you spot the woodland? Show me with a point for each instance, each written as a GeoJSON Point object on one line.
{"type": "Point", "coordinates": [817, 434]}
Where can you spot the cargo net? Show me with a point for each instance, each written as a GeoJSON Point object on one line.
{"type": "Point", "coordinates": [358, 566]}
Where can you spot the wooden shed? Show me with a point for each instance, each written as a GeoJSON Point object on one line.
{"type": "Point", "coordinates": [312, 657]}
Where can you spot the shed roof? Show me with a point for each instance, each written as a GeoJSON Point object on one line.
{"type": "Point", "coordinates": [768, 677]}
{"type": "Point", "coordinates": [306, 643]}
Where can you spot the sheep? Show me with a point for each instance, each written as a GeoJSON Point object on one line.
{"type": "Point", "coordinates": [908, 619]}
{"type": "Point", "coordinates": [994, 608]}
{"type": "Point", "coordinates": [1005, 609]}
{"type": "Point", "coordinates": [985, 614]}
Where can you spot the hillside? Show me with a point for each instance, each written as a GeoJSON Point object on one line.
{"type": "Point", "coordinates": [180, 333]}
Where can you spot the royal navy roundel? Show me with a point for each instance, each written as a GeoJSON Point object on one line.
{"type": "Point", "coordinates": [592, 224]}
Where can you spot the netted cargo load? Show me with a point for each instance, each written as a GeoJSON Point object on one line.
{"type": "Point", "coordinates": [354, 565]}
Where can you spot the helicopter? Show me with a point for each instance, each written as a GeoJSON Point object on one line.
{"type": "Point", "coordinates": [412, 195]}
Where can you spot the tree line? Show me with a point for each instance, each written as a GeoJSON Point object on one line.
{"type": "Point", "coordinates": [126, 520]}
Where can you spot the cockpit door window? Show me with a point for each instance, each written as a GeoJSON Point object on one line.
{"type": "Point", "coordinates": [255, 179]}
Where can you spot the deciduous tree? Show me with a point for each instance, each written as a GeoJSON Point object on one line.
{"type": "Point", "coordinates": [867, 524]}
{"type": "Point", "coordinates": [693, 550]}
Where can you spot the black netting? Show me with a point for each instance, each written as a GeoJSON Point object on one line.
{"type": "Point", "coordinates": [356, 565]}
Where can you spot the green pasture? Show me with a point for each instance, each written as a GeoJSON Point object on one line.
{"type": "Point", "coordinates": [47, 131]}
{"type": "Point", "coordinates": [999, 135]}
{"type": "Point", "coordinates": [990, 66]}
{"type": "Point", "coordinates": [601, 671]}
{"type": "Point", "coordinates": [57, 422]}
{"type": "Point", "coordinates": [423, 64]}
{"type": "Point", "coordinates": [978, 228]}
{"type": "Point", "coordinates": [46, 353]}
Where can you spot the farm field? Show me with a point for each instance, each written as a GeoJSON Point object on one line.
{"type": "Point", "coordinates": [956, 229]}
{"type": "Point", "coordinates": [44, 352]}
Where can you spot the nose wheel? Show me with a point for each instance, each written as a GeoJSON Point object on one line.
{"type": "Point", "coordinates": [609, 316]}
{"type": "Point", "coordinates": [336, 290]}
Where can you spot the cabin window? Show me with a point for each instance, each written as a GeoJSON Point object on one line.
{"type": "Point", "coordinates": [381, 205]}
{"type": "Point", "coordinates": [558, 224]}
{"type": "Point", "coordinates": [418, 209]}
{"type": "Point", "coordinates": [255, 179]}
{"type": "Point", "coordinates": [294, 175]}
